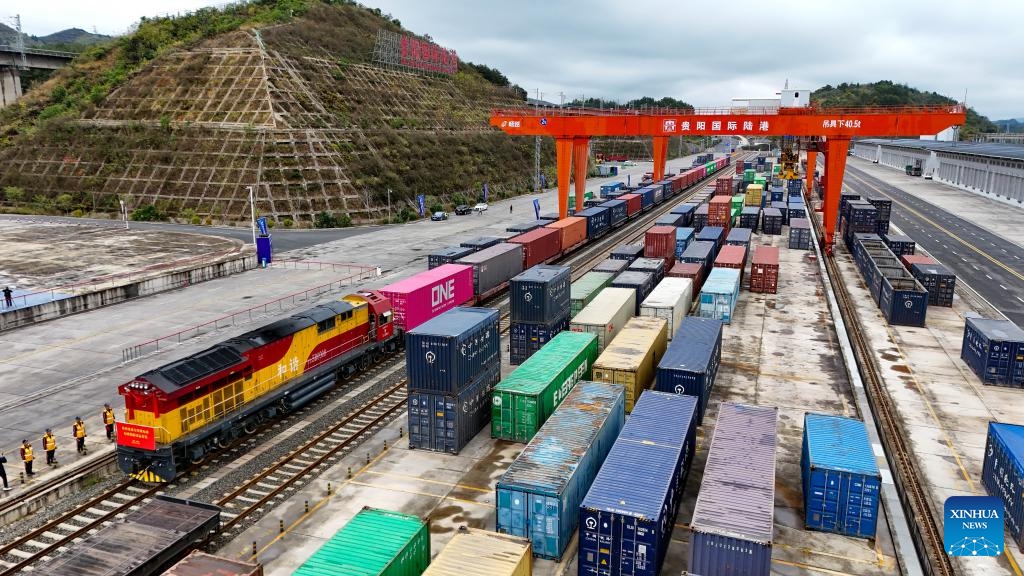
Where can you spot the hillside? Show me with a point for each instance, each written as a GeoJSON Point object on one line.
{"type": "Point", "coordinates": [887, 93]}
{"type": "Point", "coordinates": [72, 39]}
{"type": "Point", "coordinates": [181, 116]}
{"type": "Point", "coordinates": [1013, 125]}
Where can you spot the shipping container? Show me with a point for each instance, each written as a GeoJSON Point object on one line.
{"type": "Point", "coordinates": [627, 252]}
{"type": "Point", "coordinates": [631, 359]}
{"type": "Point", "coordinates": [572, 230]}
{"type": "Point", "coordinates": [731, 530]}
{"type": "Point", "coordinates": [526, 338]}
{"type": "Point", "coordinates": [732, 257]}
{"type": "Point", "coordinates": [617, 212]}
{"type": "Point", "coordinates": [646, 198]}
{"type": "Point", "coordinates": [994, 350]}
{"type": "Point", "coordinates": [909, 260]}
{"type": "Point", "coordinates": [841, 481]}
{"type": "Point", "coordinates": [723, 186]}
{"type": "Point", "coordinates": [686, 211]}
{"type": "Point", "coordinates": [553, 216]}
{"type": "Point", "coordinates": [524, 400]}
{"type": "Point", "coordinates": [493, 267]}
{"type": "Point", "coordinates": [632, 204]}
{"type": "Point", "coordinates": [443, 422]}
{"type": "Point", "coordinates": [655, 266]}
{"type": "Point", "coordinates": [539, 495]}
{"type": "Point", "coordinates": [660, 242]}
{"type": "Point", "coordinates": [764, 270]}
{"type": "Point", "coordinates": [640, 282]}
{"type": "Point", "coordinates": [670, 300]}
{"type": "Point", "coordinates": [613, 187]}
{"type": "Point", "coordinates": [783, 209]}
{"type": "Point", "coordinates": [719, 294]}
{"type": "Point", "coordinates": [540, 294]}
{"type": "Point", "coordinates": [539, 245]}
{"type": "Point", "coordinates": [611, 266]}
{"type": "Point", "coordinates": [939, 281]}
{"type": "Point", "coordinates": [881, 227]}
{"type": "Point", "coordinates": [692, 270]}
{"type": "Point", "coordinates": [482, 242]}
{"type": "Point", "coordinates": [445, 353]}
{"type": "Point", "coordinates": [903, 301]}
{"type": "Point", "coordinates": [447, 255]}
{"type": "Point", "coordinates": [374, 541]}
{"type": "Point", "coordinates": [771, 221]}
{"type": "Point", "coordinates": [739, 237]}
{"type": "Point", "coordinates": [599, 221]}
{"type": "Point", "coordinates": [754, 195]}
{"type": "Point", "coordinates": [605, 316]}
{"type": "Point", "coordinates": [626, 519]}
{"type": "Point", "coordinates": [797, 210]}
{"type": "Point", "coordinates": [1002, 473]}
{"type": "Point", "coordinates": [700, 217]}
{"type": "Point", "coordinates": [202, 564]}
{"type": "Point", "coordinates": [524, 227]}
{"type": "Point", "coordinates": [899, 245]}
{"type": "Point", "coordinates": [700, 253]}
{"type": "Point", "coordinates": [715, 234]}
{"type": "Point", "coordinates": [584, 290]}
{"type": "Point", "coordinates": [719, 211]}
{"type": "Point", "coordinates": [416, 299]}
{"type": "Point", "coordinates": [481, 553]}
{"type": "Point", "coordinates": [750, 217]}
{"type": "Point", "coordinates": [683, 238]}
{"type": "Point", "coordinates": [691, 362]}
{"type": "Point", "coordinates": [799, 234]}
{"type": "Point", "coordinates": [883, 206]}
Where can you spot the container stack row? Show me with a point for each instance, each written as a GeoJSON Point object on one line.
{"type": "Point", "coordinates": [900, 297]}
{"type": "Point", "coordinates": [539, 309]}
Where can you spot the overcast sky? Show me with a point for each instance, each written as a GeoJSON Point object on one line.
{"type": "Point", "coordinates": [703, 53]}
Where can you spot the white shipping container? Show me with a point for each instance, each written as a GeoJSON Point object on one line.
{"type": "Point", "coordinates": [670, 300]}
{"type": "Point", "coordinates": [606, 315]}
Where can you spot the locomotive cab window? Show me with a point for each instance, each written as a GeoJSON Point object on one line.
{"type": "Point", "coordinates": [325, 325]}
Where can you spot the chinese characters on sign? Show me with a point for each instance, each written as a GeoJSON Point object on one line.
{"type": "Point", "coordinates": [840, 123]}
{"type": "Point", "coordinates": [427, 56]}
{"type": "Point", "coordinates": [136, 436]}
{"type": "Point", "coordinates": [728, 127]}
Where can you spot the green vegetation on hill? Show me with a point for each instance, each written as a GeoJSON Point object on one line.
{"type": "Point", "coordinates": [888, 93]}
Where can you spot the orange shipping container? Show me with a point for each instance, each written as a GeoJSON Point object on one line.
{"type": "Point", "coordinates": [572, 229]}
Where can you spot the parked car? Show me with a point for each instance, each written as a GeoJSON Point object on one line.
{"type": "Point", "coordinates": [439, 216]}
{"type": "Point", "coordinates": [463, 209]}
{"type": "Point", "coordinates": [482, 206]}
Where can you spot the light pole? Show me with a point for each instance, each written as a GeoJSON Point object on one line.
{"type": "Point", "coordinates": [389, 208]}
{"type": "Point", "coordinates": [124, 213]}
{"type": "Point", "coordinates": [252, 213]}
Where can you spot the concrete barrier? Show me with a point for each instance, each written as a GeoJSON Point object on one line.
{"type": "Point", "coordinates": [162, 281]}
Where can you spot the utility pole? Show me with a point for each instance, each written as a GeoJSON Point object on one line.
{"type": "Point", "coordinates": [124, 213]}
{"type": "Point", "coordinates": [19, 45]}
{"type": "Point", "coordinates": [536, 150]}
{"type": "Point", "coordinates": [389, 205]}
{"type": "Point", "coordinates": [252, 213]}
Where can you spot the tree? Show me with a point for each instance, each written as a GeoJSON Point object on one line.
{"type": "Point", "coordinates": [64, 202]}
{"type": "Point", "coordinates": [14, 194]}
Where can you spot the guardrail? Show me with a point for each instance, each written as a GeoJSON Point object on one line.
{"type": "Point", "coordinates": [37, 51]}
{"type": "Point", "coordinates": [356, 272]}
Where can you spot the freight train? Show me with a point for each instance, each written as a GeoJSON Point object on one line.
{"type": "Point", "coordinates": [180, 413]}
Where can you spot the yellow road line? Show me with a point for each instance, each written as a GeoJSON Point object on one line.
{"type": "Point", "coordinates": [448, 484]}
{"type": "Point", "coordinates": [1012, 561]}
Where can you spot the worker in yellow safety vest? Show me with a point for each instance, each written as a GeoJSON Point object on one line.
{"type": "Point", "coordinates": [50, 446]}
{"type": "Point", "coordinates": [26, 457]}
{"type": "Point", "coordinates": [78, 431]}
{"type": "Point", "coordinates": [108, 421]}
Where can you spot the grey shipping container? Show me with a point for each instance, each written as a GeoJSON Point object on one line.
{"type": "Point", "coordinates": [994, 349]}
{"type": "Point", "coordinates": [618, 211]}
{"type": "Point", "coordinates": [627, 252]}
{"type": "Point", "coordinates": [494, 266]}
{"type": "Point", "coordinates": [524, 227]}
{"type": "Point", "coordinates": [799, 234]}
{"type": "Point", "coordinates": [447, 255]}
{"type": "Point", "coordinates": [731, 530]}
{"type": "Point", "coordinates": [444, 354]}
{"type": "Point", "coordinates": [700, 253]}
{"type": "Point", "coordinates": [539, 495]}
{"type": "Point", "coordinates": [656, 266]}
{"type": "Point", "coordinates": [611, 265]}
{"type": "Point", "coordinates": [771, 221]}
{"type": "Point", "coordinates": [900, 245]}
{"type": "Point", "coordinates": [739, 237]}
{"type": "Point", "coordinates": [750, 217]}
{"type": "Point", "coordinates": [1002, 473]}
{"type": "Point", "coordinates": [641, 282]}
{"type": "Point", "coordinates": [690, 363]}
{"type": "Point", "coordinates": [669, 220]}
{"type": "Point", "coordinates": [447, 422]}
{"type": "Point", "coordinates": [586, 289]}
{"type": "Point", "coordinates": [540, 294]}
{"type": "Point", "coordinates": [481, 242]}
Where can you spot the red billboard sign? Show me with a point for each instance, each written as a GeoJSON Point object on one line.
{"type": "Point", "coordinates": [136, 436]}
{"type": "Point", "coordinates": [399, 50]}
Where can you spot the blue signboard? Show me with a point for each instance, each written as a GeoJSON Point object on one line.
{"type": "Point", "coordinates": [536, 207]}
{"type": "Point", "coordinates": [261, 223]}
{"type": "Point", "coordinates": [543, 181]}
{"type": "Point", "coordinates": [485, 191]}
{"type": "Point", "coordinates": [421, 200]}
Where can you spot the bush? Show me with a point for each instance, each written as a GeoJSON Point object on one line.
{"type": "Point", "coordinates": [147, 213]}
{"type": "Point", "coordinates": [324, 220]}
{"type": "Point", "coordinates": [195, 220]}
{"type": "Point", "coordinates": [14, 194]}
{"type": "Point", "coordinates": [78, 213]}
{"type": "Point", "coordinates": [288, 223]}
{"type": "Point", "coordinates": [344, 221]}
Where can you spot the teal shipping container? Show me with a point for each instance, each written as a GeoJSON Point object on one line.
{"type": "Point", "coordinates": [375, 542]}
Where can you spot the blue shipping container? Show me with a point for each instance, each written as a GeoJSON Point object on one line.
{"type": "Point", "coordinates": [690, 363]}
{"type": "Point", "coordinates": [598, 221]}
{"type": "Point", "coordinates": [669, 220]}
{"type": "Point", "coordinates": [539, 496]}
{"type": "Point", "coordinates": [627, 252]}
{"type": "Point", "coordinates": [841, 480]}
{"type": "Point", "coordinates": [700, 253]}
{"type": "Point", "coordinates": [683, 238]}
{"type": "Point", "coordinates": [447, 255]}
{"type": "Point", "coordinates": [739, 237]}
{"type": "Point", "coordinates": [685, 209]}
{"type": "Point", "coordinates": [646, 198]}
{"type": "Point", "coordinates": [903, 301]}
{"type": "Point", "coordinates": [750, 216]}
{"type": "Point", "coordinates": [618, 211]}
{"type": "Point", "coordinates": [700, 217]}
{"type": "Point", "coordinates": [714, 234]}
{"type": "Point", "coordinates": [771, 221]}
{"type": "Point", "coordinates": [626, 520]}
{"type": "Point", "coordinates": [526, 338]}
{"type": "Point", "coordinates": [444, 354]}
{"type": "Point", "coordinates": [994, 350]}
{"type": "Point", "coordinates": [525, 227]}
{"type": "Point", "coordinates": [719, 293]}
{"type": "Point", "coordinates": [540, 294]}
{"type": "Point", "coordinates": [446, 422]}
{"type": "Point", "coordinates": [1002, 473]}
{"type": "Point", "coordinates": [641, 282]}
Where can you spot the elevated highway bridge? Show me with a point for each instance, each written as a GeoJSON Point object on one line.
{"type": "Point", "coordinates": [14, 60]}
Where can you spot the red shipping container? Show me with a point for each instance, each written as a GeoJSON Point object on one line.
{"type": "Point", "coordinates": [723, 186]}
{"type": "Point", "coordinates": [573, 231]}
{"type": "Point", "coordinates": [539, 245]}
{"type": "Point", "coordinates": [660, 242]}
{"type": "Point", "coordinates": [731, 256]}
{"type": "Point", "coordinates": [419, 298]}
{"type": "Point", "coordinates": [720, 211]}
{"type": "Point", "coordinates": [739, 167]}
{"type": "Point", "coordinates": [632, 203]}
{"type": "Point", "coordinates": [692, 270]}
{"type": "Point", "coordinates": [910, 259]}
{"type": "Point", "coordinates": [764, 270]}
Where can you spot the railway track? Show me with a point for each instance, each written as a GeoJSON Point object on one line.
{"type": "Point", "coordinates": [925, 530]}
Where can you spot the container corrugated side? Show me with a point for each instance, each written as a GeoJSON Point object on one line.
{"type": "Point", "coordinates": [670, 300]}
{"type": "Point", "coordinates": [691, 361]}
{"type": "Point", "coordinates": [719, 293]}
{"type": "Point", "coordinates": [683, 238]}
{"type": "Point", "coordinates": [481, 553]}
{"type": "Point", "coordinates": [584, 290]}
{"type": "Point", "coordinates": [494, 266]}
{"type": "Point", "coordinates": [539, 495]}
{"type": "Point", "coordinates": [523, 401]}
{"type": "Point", "coordinates": [426, 295]}
{"type": "Point", "coordinates": [605, 316]}
{"type": "Point", "coordinates": [841, 481]}
{"type": "Point", "coordinates": [539, 245]}
{"type": "Point", "coordinates": [994, 350]}
{"type": "Point", "coordinates": [631, 359]}
{"type": "Point", "coordinates": [732, 525]}
{"type": "Point", "coordinates": [447, 422]}
{"type": "Point", "coordinates": [374, 541]}
{"type": "Point", "coordinates": [445, 353]}
{"type": "Point", "coordinates": [539, 294]}
{"type": "Point", "coordinates": [764, 270]}
{"type": "Point", "coordinates": [447, 255]}
{"type": "Point", "coordinates": [1002, 473]}
{"type": "Point", "coordinates": [573, 231]}
{"type": "Point", "coordinates": [627, 518]}
{"type": "Point", "coordinates": [640, 282]}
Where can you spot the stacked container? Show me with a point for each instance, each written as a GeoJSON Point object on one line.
{"type": "Point", "coordinates": [764, 270]}
{"type": "Point", "coordinates": [640, 282]}
{"type": "Point", "coordinates": [627, 252]}
{"type": "Point", "coordinates": [692, 270]}
{"type": "Point", "coordinates": [526, 399]}
{"type": "Point", "coordinates": [672, 220]}
{"type": "Point", "coordinates": [739, 237]}
{"type": "Point", "coordinates": [734, 257]}
{"type": "Point", "coordinates": [419, 298]}
{"type": "Point", "coordinates": [771, 221]}
{"type": "Point", "coordinates": [654, 266]}
{"type": "Point", "coordinates": [685, 210]}
{"type": "Point", "coordinates": [733, 519]}
{"type": "Point", "coordinates": [1002, 473]}
{"type": "Point", "coordinates": [606, 314]}
{"type": "Point", "coordinates": [691, 361]}
{"type": "Point", "coordinates": [539, 495]}
{"type": "Point", "coordinates": [723, 186]}
{"type": "Point", "coordinates": [796, 210]}
{"type": "Point", "coordinates": [939, 281]}
{"type": "Point", "coordinates": [573, 232]}
{"type": "Point", "coordinates": [841, 481]}
{"type": "Point", "coordinates": [584, 290]}
{"type": "Point", "coordinates": [447, 255]}
{"type": "Point", "coordinates": [452, 363]}
{"type": "Point", "coordinates": [700, 217]}
{"type": "Point", "coordinates": [719, 294]}
{"type": "Point", "coordinates": [720, 211]}
{"type": "Point", "coordinates": [611, 266]}
{"type": "Point", "coordinates": [683, 238]}
{"type": "Point", "coordinates": [482, 242]}
{"type": "Point", "coordinates": [631, 359]}
{"type": "Point", "coordinates": [618, 211]}
{"type": "Point", "coordinates": [670, 300]}
{"type": "Point", "coordinates": [660, 242]}
{"type": "Point", "coordinates": [539, 245]}
{"type": "Point", "coordinates": [900, 245]}
{"type": "Point", "coordinates": [539, 309]}
{"type": "Point", "coordinates": [374, 541]}
{"type": "Point", "coordinates": [481, 553]}
{"type": "Point", "coordinates": [994, 350]}
{"type": "Point", "coordinates": [754, 195]}
{"type": "Point", "coordinates": [494, 266]}
{"type": "Point", "coordinates": [883, 208]}
{"type": "Point", "coordinates": [799, 234]}
{"type": "Point", "coordinates": [750, 217]}
{"type": "Point", "coordinates": [700, 253]}
{"type": "Point", "coordinates": [909, 260]}
{"type": "Point", "coordinates": [626, 519]}
{"type": "Point", "coordinates": [714, 234]}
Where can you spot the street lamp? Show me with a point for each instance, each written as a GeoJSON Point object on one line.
{"type": "Point", "coordinates": [252, 213]}
{"type": "Point", "coordinates": [389, 208]}
{"type": "Point", "coordinates": [124, 213]}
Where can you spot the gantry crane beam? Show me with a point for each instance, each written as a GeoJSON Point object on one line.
{"type": "Point", "coordinates": [573, 128]}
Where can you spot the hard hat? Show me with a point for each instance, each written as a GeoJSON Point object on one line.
{"type": "Point", "coordinates": [48, 430]}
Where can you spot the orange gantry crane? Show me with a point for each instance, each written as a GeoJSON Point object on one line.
{"type": "Point", "coordinates": [572, 129]}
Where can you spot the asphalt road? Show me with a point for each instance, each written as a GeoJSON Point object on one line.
{"type": "Point", "coordinates": [990, 264]}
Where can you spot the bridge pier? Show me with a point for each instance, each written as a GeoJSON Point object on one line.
{"type": "Point", "coordinates": [10, 85]}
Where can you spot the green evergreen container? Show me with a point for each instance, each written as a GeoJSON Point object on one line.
{"type": "Point", "coordinates": [374, 543]}
{"type": "Point", "coordinates": [586, 289]}
{"type": "Point", "coordinates": [749, 175]}
{"type": "Point", "coordinates": [522, 402]}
